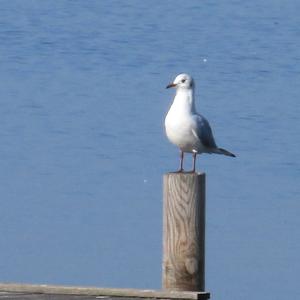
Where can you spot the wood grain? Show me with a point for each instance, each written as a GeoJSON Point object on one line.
{"type": "Point", "coordinates": [184, 232]}
{"type": "Point", "coordinates": [99, 292]}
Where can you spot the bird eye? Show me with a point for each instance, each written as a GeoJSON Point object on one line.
{"type": "Point", "coordinates": [183, 80]}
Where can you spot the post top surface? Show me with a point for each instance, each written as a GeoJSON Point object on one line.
{"type": "Point", "coordinates": [192, 174]}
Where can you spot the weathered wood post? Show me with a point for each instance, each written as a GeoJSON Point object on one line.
{"type": "Point", "coordinates": [184, 231]}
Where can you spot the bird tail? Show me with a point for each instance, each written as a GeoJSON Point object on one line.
{"type": "Point", "coordinates": [224, 152]}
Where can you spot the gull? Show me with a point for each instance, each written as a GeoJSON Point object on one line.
{"type": "Point", "coordinates": [186, 128]}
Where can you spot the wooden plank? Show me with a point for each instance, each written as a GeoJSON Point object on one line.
{"type": "Point", "coordinates": [39, 296]}
{"type": "Point", "coordinates": [184, 231]}
{"type": "Point", "coordinates": [94, 291]}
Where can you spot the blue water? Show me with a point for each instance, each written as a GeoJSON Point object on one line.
{"type": "Point", "coordinates": [83, 150]}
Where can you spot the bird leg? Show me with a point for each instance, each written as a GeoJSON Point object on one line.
{"type": "Point", "coordinates": [194, 162]}
{"type": "Point", "coordinates": [181, 162]}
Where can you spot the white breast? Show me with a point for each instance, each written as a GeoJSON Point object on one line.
{"type": "Point", "coordinates": [179, 129]}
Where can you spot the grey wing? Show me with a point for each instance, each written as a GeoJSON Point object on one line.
{"type": "Point", "coordinates": [203, 131]}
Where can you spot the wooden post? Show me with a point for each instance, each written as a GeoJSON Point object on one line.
{"type": "Point", "coordinates": [184, 231]}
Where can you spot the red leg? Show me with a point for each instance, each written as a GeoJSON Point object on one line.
{"type": "Point", "coordinates": [181, 161]}
{"type": "Point", "coordinates": [194, 162]}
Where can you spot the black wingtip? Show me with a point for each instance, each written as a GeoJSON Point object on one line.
{"type": "Point", "coordinates": [225, 152]}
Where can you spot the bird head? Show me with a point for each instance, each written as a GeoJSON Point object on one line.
{"type": "Point", "coordinates": [183, 80]}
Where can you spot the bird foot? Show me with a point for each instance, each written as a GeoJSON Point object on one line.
{"type": "Point", "coordinates": [179, 171]}
{"type": "Point", "coordinates": [184, 172]}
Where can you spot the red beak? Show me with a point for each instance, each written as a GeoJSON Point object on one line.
{"type": "Point", "coordinates": [170, 85]}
